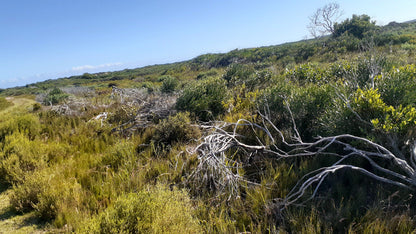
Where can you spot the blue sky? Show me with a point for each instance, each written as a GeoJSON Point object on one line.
{"type": "Point", "coordinates": [48, 39]}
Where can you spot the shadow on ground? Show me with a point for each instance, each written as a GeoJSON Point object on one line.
{"type": "Point", "coordinates": [12, 221]}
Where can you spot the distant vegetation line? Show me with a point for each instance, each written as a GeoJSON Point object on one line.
{"type": "Point", "coordinates": [284, 54]}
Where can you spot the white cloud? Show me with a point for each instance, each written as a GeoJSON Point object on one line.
{"type": "Point", "coordinates": [91, 67]}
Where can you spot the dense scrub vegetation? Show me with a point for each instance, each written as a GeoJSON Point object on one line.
{"type": "Point", "coordinates": [115, 152]}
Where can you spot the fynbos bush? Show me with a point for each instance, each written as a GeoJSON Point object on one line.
{"type": "Point", "coordinates": [176, 128]}
{"type": "Point", "coordinates": [204, 99]}
{"type": "Point", "coordinates": [154, 210]}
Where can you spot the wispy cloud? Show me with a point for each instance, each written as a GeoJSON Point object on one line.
{"type": "Point", "coordinates": [92, 67]}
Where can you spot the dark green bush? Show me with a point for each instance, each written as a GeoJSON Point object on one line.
{"type": "Point", "coordinates": [399, 86]}
{"type": "Point", "coordinates": [169, 84]}
{"type": "Point", "coordinates": [176, 128]}
{"type": "Point", "coordinates": [204, 99]}
{"type": "Point", "coordinates": [358, 26]}
{"type": "Point", "coordinates": [36, 107]}
{"type": "Point", "coordinates": [88, 76]}
{"type": "Point", "coordinates": [55, 96]}
{"type": "Point", "coordinates": [237, 73]}
{"type": "Point", "coordinates": [307, 104]}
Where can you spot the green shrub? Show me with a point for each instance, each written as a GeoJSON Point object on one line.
{"type": "Point", "coordinates": [399, 86]}
{"type": "Point", "coordinates": [154, 210]}
{"type": "Point", "coordinates": [25, 196]}
{"type": "Point", "coordinates": [19, 157]}
{"type": "Point", "coordinates": [176, 128]}
{"type": "Point", "coordinates": [409, 47]}
{"type": "Point", "coordinates": [149, 86]}
{"type": "Point", "coordinates": [169, 85]}
{"type": "Point", "coordinates": [49, 193]}
{"type": "Point", "coordinates": [27, 124]}
{"type": "Point", "coordinates": [60, 195]}
{"type": "Point", "coordinates": [308, 105]}
{"type": "Point", "coordinates": [346, 42]}
{"type": "Point", "coordinates": [237, 73]}
{"type": "Point", "coordinates": [274, 100]}
{"type": "Point", "coordinates": [204, 99]}
{"type": "Point", "coordinates": [207, 74]}
{"type": "Point", "coordinates": [119, 155]}
{"type": "Point", "coordinates": [309, 73]}
{"type": "Point", "coordinates": [55, 96]}
{"type": "Point", "coordinates": [36, 107]}
{"type": "Point", "coordinates": [358, 26]}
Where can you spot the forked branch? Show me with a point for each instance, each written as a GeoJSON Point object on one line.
{"type": "Point", "coordinates": [222, 171]}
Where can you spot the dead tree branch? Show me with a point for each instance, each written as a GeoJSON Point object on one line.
{"type": "Point", "coordinates": [221, 171]}
{"type": "Point", "coordinates": [323, 20]}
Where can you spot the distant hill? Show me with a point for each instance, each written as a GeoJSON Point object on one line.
{"type": "Point", "coordinates": [281, 55]}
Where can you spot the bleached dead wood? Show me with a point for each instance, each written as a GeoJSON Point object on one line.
{"type": "Point", "coordinates": [149, 109]}
{"type": "Point", "coordinates": [217, 168]}
{"type": "Point", "coordinates": [323, 20]}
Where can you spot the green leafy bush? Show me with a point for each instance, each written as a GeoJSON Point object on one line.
{"type": "Point", "coordinates": [20, 156]}
{"type": "Point", "coordinates": [25, 196]}
{"type": "Point", "coordinates": [204, 99]}
{"type": "Point", "coordinates": [154, 210]}
{"type": "Point", "coordinates": [237, 73]}
{"type": "Point", "coordinates": [149, 86]}
{"type": "Point", "coordinates": [358, 26]}
{"type": "Point", "coordinates": [207, 74]}
{"type": "Point", "coordinates": [26, 124]}
{"type": "Point", "coordinates": [308, 73]}
{"type": "Point", "coordinates": [50, 194]}
{"type": "Point", "coordinates": [55, 96]}
{"type": "Point", "coordinates": [307, 106]}
{"type": "Point", "coordinates": [176, 128]}
{"type": "Point", "coordinates": [169, 84]}
{"type": "Point", "coordinates": [399, 86]}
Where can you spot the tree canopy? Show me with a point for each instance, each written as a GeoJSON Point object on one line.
{"type": "Point", "coordinates": [358, 26]}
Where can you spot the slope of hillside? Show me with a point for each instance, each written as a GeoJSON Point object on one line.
{"type": "Point", "coordinates": [282, 55]}
{"type": "Point", "coordinates": [314, 136]}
